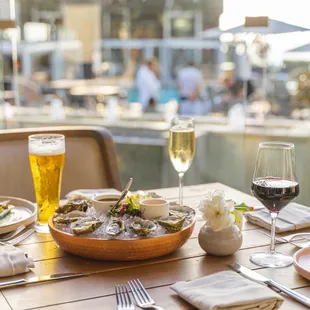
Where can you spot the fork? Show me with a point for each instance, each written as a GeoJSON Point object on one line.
{"type": "Point", "coordinates": [12, 234]}
{"type": "Point", "coordinates": [123, 299]}
{"type": "Point", "coordinates": [141, 296]}
{"type": "Point", "coordinates": [19, 239]}
{"type": "Point", "coordinates": [290, 239]}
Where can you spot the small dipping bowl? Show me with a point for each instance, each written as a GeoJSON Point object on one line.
{"type": "Point", "coordinates": [154, 208]}
{"type": "Point", "coordinates": [104, 202]}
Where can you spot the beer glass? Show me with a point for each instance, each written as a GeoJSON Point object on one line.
{"type": "Point", "coordinates": [181, 147]}
{"type": "Point", "coordinates": [46, 156]}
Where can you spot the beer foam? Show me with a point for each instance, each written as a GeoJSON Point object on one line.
{"type": "Point", "coordinates": [46, 147]}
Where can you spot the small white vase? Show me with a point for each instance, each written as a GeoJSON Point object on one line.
{"type": "Point", "coordinates": [220, 243]}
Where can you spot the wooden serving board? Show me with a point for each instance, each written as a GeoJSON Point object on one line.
{"type": "Point", "coordinates": [121, 250]}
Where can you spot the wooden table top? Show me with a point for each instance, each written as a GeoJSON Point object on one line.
{"type": "Point", "coordinates": [96, 291]}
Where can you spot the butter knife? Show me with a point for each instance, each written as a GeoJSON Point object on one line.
{"type": "Point", "coordinates": [40, 279]}
{"type": "Point", "coordinates": [254, 276]}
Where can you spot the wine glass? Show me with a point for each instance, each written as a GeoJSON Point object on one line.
{"type": "Point", "coordinates": [274, 185]}
{"type": "Point", "coordinates": [181, 147]}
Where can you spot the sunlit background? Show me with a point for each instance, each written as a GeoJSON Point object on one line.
{"type": "Point", "coordinates": [234, 12]}
{"type": "Point", "coordinates": [75, 62]}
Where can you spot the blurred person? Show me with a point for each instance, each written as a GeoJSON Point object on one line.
{"type": "Point", "coordinates": [148, 86]}
{"type": "Point", "coordinates": [189, 82]}
{"type": "Point", "coordinates": [234, 94]}
{"type": "Point", "coordinates": [237, 90]}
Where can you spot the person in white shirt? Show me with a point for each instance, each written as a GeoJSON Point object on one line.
{"type": "Point", "coordinates": [189, 82]}
{"type": "Point", "coordinates": [148, 86]}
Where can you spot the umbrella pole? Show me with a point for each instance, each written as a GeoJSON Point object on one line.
{"type": "Point", "coordinates": [265, 72]}
{"type": "Point", "coordinates": [264, 81]}
{"type": "Point", "coordinates": [245, 86]}
{"type": "Point", "coordinates": [245, 99]}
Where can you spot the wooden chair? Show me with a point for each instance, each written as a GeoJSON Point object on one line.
{"type": "Point", "coordinates": [90, 160]}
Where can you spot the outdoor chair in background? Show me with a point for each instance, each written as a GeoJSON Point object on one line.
{"type": "Point", "coordinates": [90, 160]}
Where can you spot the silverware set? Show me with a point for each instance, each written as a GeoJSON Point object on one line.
{"type": "Point", "coordinates": [299, 240]}
{"type": "Point", "coordinates": [123, 300]}
{"type": "Point", "coordinates": [256, 277]}
{"type": "Point", "coordinates": [16, 237]}
{"type": "Point", "coordinates": [139, 293]}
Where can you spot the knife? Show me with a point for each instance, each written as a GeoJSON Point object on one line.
{"type": "Point", "coordinates": [254, 276]}
{"type": "Point", "coordinates": [40, 279]}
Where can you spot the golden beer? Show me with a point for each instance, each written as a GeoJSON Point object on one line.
{"type": "Point", "coordinates": [46, 158]}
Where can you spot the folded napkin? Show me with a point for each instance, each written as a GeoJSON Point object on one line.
{"type": "Point", "coordinates": [13, 261]}
{"type": "Point", "coordinates": [228, 290]}
{"type": "Point", "coordinates": [292, 217]}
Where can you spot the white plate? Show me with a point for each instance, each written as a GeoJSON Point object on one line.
{"type": "Point", "coordinates": [302, 262]}
{"type": "Point", "coordinates": [24, 213]}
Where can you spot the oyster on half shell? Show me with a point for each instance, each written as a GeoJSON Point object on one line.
{"type": "Point", "coordinates": [171, 223]}
{"type": "Point", "coordinates": [153, 195]}
{"type": "Point", "coordinates": [80, 205]}
{"type": "Point", "coordinates": [142, 227]}
{"type": "Point", "coordinates": [83, 226]}
{"type": "Point", "coordinates": [181, 211]}
{"type": "Point", "coordinates": [71, 217]}
{"type": "Point", "coordinates": [115, 227]}
{"type": "Point", "coordinates": [74, 197]}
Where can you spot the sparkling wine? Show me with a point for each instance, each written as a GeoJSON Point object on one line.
{"type": "Point", "coordinates": [181, 148]}
{"type": "Point", "coordinates": [275, 193]}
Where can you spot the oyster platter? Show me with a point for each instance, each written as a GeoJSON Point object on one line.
{"type": "Point", "coordinates": [99, 229]}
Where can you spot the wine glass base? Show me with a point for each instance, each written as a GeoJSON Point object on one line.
{"type": "Point", "coordinates": [271, 259]}
{"type": "Point", "coordinates": [42, 228]}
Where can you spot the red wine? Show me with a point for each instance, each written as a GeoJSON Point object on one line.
{"type": "Point", "coordinates": [275, 193]}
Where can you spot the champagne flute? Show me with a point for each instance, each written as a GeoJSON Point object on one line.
{"type": "Point", "coordinates": [181, 147]}
{"type": "Point", "coordinates": [275, 185]}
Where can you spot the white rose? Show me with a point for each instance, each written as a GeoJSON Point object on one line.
{"type": "Point", "coordinates": [217, 211]}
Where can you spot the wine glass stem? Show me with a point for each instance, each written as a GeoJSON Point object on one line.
{"type": "Point", "coordinates": [274, 216]}
{"type": "Point", "coordinates": [181, 175]}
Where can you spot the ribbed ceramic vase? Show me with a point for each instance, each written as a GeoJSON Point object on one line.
{"type": "Point", "coordinates": [220, 243]}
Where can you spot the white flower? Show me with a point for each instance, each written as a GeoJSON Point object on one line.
{"type": "Point", "coordinates": [217, 211]}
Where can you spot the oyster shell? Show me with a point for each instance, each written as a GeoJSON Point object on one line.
{"type": "Point", "coordinates": [87, 225]}
{"type": "Point", "coordinates": [142, 227]}
{"type": "Point", "coordinates": [153, 195]}
{"type": "Point", "coordinates": [5, 211]}
{"type": "Point", "coordinates": [115, 227]}
{"type": "Point", "coordinates": [181, 211]}
{"type": "Point", "coordinates": [70, 217]}
{"type": "Point", "coordinates": [5, 204]}
{"type": "Point", "coordinates": [171, 223]}
{"type": "Point", "coordinates": [80, 205]}
{"type": "Point", "coordinates": [77, 197]}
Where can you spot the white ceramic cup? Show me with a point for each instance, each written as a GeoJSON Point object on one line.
{"type": "Point", "coordinates": [105, 206]}
{"type": "Point", "coordinates": [154, 208]}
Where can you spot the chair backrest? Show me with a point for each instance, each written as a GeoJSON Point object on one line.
{"type": "Point", "coordinates": [90, 160]}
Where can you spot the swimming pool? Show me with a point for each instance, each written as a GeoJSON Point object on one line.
{"type": "Point", "coordinates": [166, 95]}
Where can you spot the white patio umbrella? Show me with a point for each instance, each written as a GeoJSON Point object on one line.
{"type": "Point", "coordinates": [301, 53]}
{"type": "Point", "coordinates": [272, 27]}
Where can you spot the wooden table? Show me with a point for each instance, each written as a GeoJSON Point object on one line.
{"type": "Point", "coordinates": [96, 292]}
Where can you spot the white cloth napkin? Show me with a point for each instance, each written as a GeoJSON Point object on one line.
{"type": "Point", "coordinates": [292, 217]}
{"type": "Point", "coordinates": [228, 290]}
{"type": "Point", "coordinates": [13, 261]}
